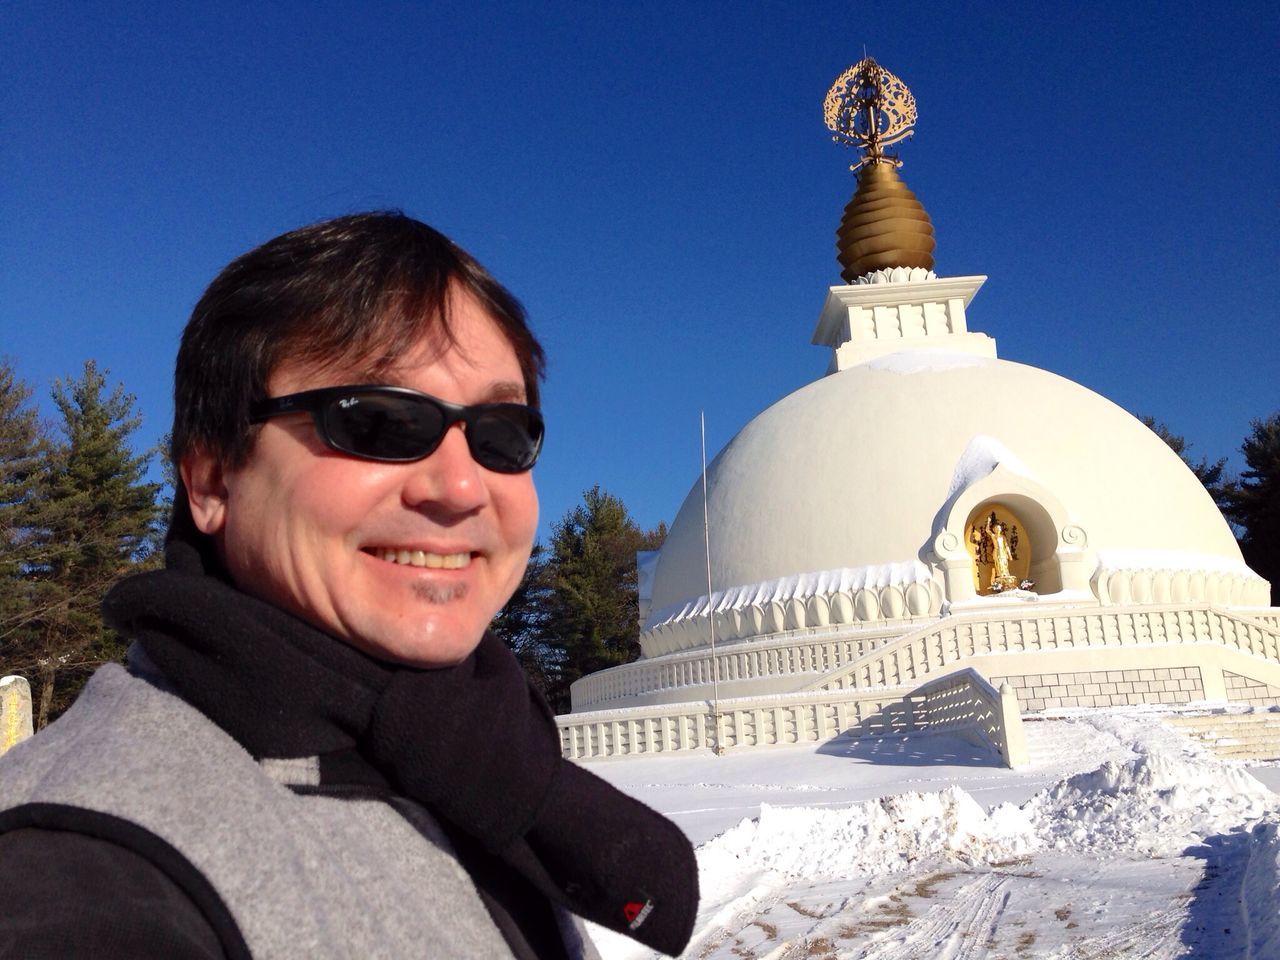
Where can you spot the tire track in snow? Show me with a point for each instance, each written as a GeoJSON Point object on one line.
{"type": "Point", "coordinates": [726, 937]}
{"type": "Point", "coordinates": [959, 929]}
{"type": "Point", "coordinates": [1157, 937]}
{"type": "Point", "coordinates": [732, 917]}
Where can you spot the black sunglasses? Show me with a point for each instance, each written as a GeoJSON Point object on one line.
{"type": "Point", "coordinates": [397, 424]}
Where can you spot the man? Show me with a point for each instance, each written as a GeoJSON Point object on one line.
{"type": "Point", "coordinates": [318, 750]}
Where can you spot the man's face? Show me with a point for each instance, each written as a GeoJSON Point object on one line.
{"type": "Point", "coordinates": [407, 561]}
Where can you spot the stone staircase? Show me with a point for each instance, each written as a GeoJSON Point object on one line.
{"type": "Point", "coordinates": [1234, 736]}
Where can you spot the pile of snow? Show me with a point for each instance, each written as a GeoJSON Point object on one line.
{"type": "Point", "coordinates": [1261, 888]}
{"type": "Point", "coordinates": [746, 865]}
{"type": "Point", "coordinates": [1154, 805]}
{"type": "Point", "coordinates": [1168, 797]}
{"type": "Point", "coordinates": [1156, 792]}
{"type": "Point", "coordinates": [1122, 789]}
{"type": "Point", "coordinates": [878, 836]}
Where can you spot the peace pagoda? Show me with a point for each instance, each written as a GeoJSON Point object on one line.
{"type": "Point", "coordinates": [888, 549]}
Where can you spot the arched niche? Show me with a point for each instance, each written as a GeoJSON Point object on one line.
{"type": "Point", "coordinates": [1056, 560]}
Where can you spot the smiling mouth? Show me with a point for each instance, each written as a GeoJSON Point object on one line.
{"type": "Point", "coordinates": [421, 558]}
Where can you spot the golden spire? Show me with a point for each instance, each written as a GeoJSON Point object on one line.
{"type": "Point", "coordinates": [884, 225]}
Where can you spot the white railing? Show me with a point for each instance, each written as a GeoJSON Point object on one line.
{"type": "Point", "coordinates": [913, 657]}
{"type": "Point", "coordinates": [962, 702]}
{"type": "Point", "coordinates": [741, 722]}
{"type": "Point", "coordinates": [894, 685]}
{"type": "Point", "coordinates": [788, 655]}
{"type": "Point", "coordinates": [1269, 616]}
{"type": "Point", "coordinates": [965, 703]}
{"type": "Point", "coordinates": [875, 658]}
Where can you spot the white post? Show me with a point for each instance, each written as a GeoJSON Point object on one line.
{"type": "Point", "coordinates": [1015, 742]}
{"type": "Point", "coordinates": [15, 711]}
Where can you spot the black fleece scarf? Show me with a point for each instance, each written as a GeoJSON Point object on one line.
{"type": "Point", "coordinates": [475, 743]}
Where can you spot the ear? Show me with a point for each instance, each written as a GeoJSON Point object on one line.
{"type": "Point", "coordinates": [202, 475]}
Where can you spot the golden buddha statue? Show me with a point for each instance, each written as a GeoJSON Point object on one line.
{"type": "Point", "coordinates": [997, 546]}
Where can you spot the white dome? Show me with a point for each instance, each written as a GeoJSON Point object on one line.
{"type": "Point", "coordinates": [856, 469]}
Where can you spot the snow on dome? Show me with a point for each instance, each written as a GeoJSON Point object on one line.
{"type": "Point", "coordinates": [799, 586]}
{"type": "Point", "coordinates": [1170, 560]}
{"type": "Point", "coordinates": [982, 455]}
{"type": "Point", "coordinates": [917, 361]}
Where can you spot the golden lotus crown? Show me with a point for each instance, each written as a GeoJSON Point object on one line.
{"type": "Point", "coordinates": [869, 108]}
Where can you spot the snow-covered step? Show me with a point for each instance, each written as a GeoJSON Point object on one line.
{"type": "Point", "coordinates": [1046, 741]}
{"type": "Point", "coordinates": [1251, 719]}
{"type": "Point", "coordinates": [1235, 736]}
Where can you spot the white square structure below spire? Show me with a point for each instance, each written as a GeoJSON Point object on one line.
{"type": "Point", "coordinates": [863, 321]}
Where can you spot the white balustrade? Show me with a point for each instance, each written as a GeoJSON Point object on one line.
{"type": "Point", "coordinates": [936, 647]}
{"type": "Point", "coordinates": [961, 702]}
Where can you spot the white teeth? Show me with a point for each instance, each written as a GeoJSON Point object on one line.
{"type": "Point", "coordinates": [420, 558]}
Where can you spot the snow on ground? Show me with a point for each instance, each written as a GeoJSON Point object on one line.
{"type": "Point", "coordinates": [1121, 838]}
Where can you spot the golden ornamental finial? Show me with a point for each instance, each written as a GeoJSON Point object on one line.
{"type": "Point", "coordinates": [884, 225]}
{"type": "Point", "coordinates": [869, 108]}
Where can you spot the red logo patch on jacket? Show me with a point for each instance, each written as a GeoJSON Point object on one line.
{"type": "Point", "coordinates": [636, 913]}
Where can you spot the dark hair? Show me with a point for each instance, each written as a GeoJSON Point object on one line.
{"type": "Point", "coordinates": [357, 289]}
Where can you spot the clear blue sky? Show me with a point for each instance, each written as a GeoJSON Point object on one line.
{"type": "Point", "coordinates": [654, 180]}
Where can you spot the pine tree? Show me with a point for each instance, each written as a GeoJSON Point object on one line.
{"type": "Point", "coordinates": [592, 607]}
{"type": "Point", "coordinates": [24, 446]}
{"type": "Point", "coordinates": [521, 624]}
{"type": "Point", "coordinates": [92, 520]}
{"type": "Point", "coordinates": [1253, 502]}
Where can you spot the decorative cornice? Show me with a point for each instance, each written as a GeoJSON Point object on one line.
{"type": "Point", "coordinates": [833, 323]}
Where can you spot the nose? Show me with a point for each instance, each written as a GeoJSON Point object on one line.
{"type": "Point", "coordinates": [449, 480]}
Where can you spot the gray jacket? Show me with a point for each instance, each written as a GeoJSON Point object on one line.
{"type": "Point", "coordinates": [299, 874]}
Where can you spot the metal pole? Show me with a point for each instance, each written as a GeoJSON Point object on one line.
{"type": "Point", "coordinates": [711, 614]}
